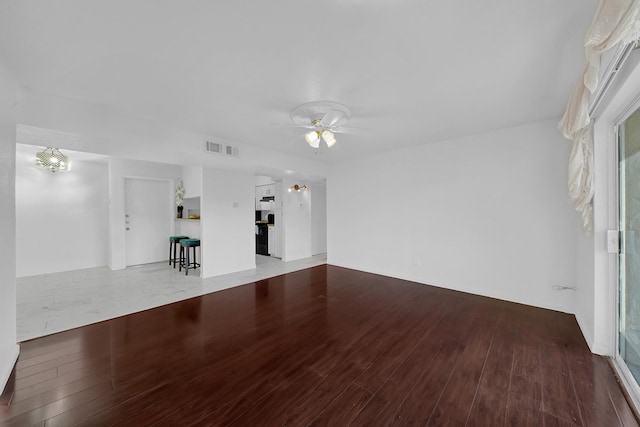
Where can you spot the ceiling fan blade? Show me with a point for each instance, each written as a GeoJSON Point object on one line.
{"type": "Point", "coordinates": [350, 130]}
{"type": "Point", "coordinates": [331, 118]}
{"type": "Point", "coordinates": [291, 126]}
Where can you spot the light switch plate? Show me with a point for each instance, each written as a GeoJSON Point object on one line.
{"type": "Point", "coordinates": [613, 243]}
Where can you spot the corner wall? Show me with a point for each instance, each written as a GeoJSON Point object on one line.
{"type": "Point", "coordinates": [9, 350]}
{"type": "Point", "coordinates": [487, 214]}
{"type": "Point", "coordinates": [296, 221]}
{"type": "Point", "coordinates": [227, 220]}
{"type": "Point", "coordinates": [69, 209]}
{"type": "Point", "coordinates": [318, 218]}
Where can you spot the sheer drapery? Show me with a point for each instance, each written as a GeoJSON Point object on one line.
{"type": "Point", "coordinates": [616, 21]}
{"type": "Point", "coordinates": [581, 175]}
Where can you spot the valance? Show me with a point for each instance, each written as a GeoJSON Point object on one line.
{"type": "Point", "coordinates": [616, 21]}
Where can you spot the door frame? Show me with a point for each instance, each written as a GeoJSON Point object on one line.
{"type": "Point", "coordinates": [170, 211]}
{"type": "Point", "coordinates": [631, 385]}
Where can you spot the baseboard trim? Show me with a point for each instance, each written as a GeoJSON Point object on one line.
{"type": "Point", "coordinates": [7, 367]}
{"type": "Point", "coordinates": [588, 337]}
{"type": "Point", "coordinates": [474, 291]}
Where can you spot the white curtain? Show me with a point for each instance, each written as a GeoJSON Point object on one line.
{"type": "Point", "coordinates": [581, 175]}
{"type": "Point", "coordinates": [616, 21]}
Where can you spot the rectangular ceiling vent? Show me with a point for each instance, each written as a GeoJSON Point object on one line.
{"type": "Point", "coordinates": [217, 147]}
{"type": "Point", "coordinates": [230, 150]}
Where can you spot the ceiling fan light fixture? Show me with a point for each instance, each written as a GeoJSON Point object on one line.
{"type": "Point", "coordinates": [329, 138]}
{"type": "Point", "coordinates": [313, 138]}
{"type": "Point", "coordinates": [323, 118]}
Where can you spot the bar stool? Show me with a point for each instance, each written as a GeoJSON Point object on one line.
{"type": "Point", "coordinates": [173, 244]}
{"type": "Point", "coordinates": [185, 244]}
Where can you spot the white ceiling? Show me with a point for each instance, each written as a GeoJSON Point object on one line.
{"type": "Point", "coordinates": [411, 71]}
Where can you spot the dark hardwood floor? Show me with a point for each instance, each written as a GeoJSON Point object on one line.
{"type": "Point", "coordinates": [323, 346]}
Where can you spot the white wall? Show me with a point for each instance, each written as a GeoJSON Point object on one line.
{"type": "Point", "coordinates": [192, 180]}
{"type": "Point", "coordinates": [8, 348]}
{"type": "Point", "coordinates": [487, 214]}
{"type": "Point", "coordinates": [227, 221]}
{"type": "Point", "coordinates": [264, 180]}
{"type": "Point", "coordinates": [318, 218]}
{"type": "Point", "coordinates": [119, 170]}
{"type": "Point", "coordinates": [61, 218]}
{"type": "Point", "coordinates": [296, 222]}
{"type": "Point", "coordinates": [585, 303]}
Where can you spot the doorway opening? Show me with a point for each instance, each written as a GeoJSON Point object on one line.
{"type": "Point", "coordinates": [148, 220]}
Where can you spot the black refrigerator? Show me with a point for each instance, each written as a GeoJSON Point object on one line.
{"type": "Point", "coordinates": [262, 239]}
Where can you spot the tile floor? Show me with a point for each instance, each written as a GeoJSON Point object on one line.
{"type": "Point", "coordinates": [51, 303]}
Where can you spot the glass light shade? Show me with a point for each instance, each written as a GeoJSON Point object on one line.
{"type": "Point", "coordinates": [329, 138]}
{"type": "Point", "coordinates": [52, 159]}
{"type": "Point", "coordinates": [313, 138]}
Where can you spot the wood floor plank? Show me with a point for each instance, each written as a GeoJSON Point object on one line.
{"type": "Point", "coordinates": [395, 390]}
{"type": "Point", "coordinates": [559, 398]}
{"type": "Point", "coordinates": [41, 411]}
{"type": "Point", "coordinates": [457, 397]}
{"type": "Point", "coordinates": [490, 403]}
{"type": "Point", "coordinates": [321, 346]}
{"type": "Point", "coordinates": [262, 412]}
{"type": "Point", "coordinates": [78, 387]}
{"type": "Point", "coordinates": [343, 408]}
{"type": "Point", "coordinates": [417, 408]}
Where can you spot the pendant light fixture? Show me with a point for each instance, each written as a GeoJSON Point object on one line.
{"type": "Point", "coordinates": [52, 160]}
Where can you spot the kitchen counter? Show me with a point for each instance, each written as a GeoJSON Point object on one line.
{"type": "Point", "coordinates": [188, 227]}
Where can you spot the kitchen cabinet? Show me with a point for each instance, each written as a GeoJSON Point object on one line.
{"type": "Point", "coordinates": [262, 191]}
{"type": "Point", "coordinates": [258, 197]}
{"type": "Point", "coordinates": [268, 190]}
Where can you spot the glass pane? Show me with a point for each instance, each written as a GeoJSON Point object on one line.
{"type": "Point", "coordinates": [629, 184]}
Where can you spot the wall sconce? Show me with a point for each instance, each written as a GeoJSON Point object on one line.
{"type": "Point", "coordinates": [297, 188]}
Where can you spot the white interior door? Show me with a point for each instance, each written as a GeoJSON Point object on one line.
{"type": "Point", "coordinates": [148, 218]}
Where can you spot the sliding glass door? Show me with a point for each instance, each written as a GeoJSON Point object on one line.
{"type": "Point", "coordinates": [629, 262]}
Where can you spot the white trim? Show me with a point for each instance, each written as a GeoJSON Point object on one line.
{"type": "Point", "coordinates": [588, 337]}
{"type": "Point", "coordinates": [452, 287]}
{"type": "Point", "coordinates": [7, 367]}
{"type": "Point", "coordinates": [631, 387]}
{"type": "Point", "coordinates": [615, 65]}
{"type": "Point", "coordinates": [621, 108]}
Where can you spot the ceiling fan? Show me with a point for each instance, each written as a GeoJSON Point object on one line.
{"type": "Point", "coordinates": [323, 118]}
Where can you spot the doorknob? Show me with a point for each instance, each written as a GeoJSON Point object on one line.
{"type": "Point", "coordinates": [128, 229]}
{"type": "Point", "coordinates": [126, 215]}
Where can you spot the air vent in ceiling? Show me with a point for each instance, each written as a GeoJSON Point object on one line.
{"type": "Point", "coordinates": [217, 147]}
{"type": "Point", "coordinates": [214, 147]}
{"type": "Point", "coordinates": [230, 150]}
